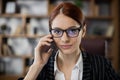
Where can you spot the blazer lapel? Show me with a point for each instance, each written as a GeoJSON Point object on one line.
{"type": "Point", "coordinates": [86, 67]}
{"type": "Point", "coordinates": [50, 69]}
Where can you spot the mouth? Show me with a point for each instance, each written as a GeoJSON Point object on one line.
{"type": "Point", "coordinates": [66, 46]}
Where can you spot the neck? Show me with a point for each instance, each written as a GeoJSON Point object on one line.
{"type": "Point", "coordinates": [68, 59]}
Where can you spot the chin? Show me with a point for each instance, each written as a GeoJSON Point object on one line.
{"type": "Point", "coordinates": [67, 51]}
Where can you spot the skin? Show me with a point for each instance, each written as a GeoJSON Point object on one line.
{"type": "Point", "coordinates": [68, 49]}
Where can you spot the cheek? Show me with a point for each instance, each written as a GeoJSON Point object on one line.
{"type": "Point", "coordinates": [77, 42]}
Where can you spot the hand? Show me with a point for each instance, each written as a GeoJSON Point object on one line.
{"type": "Point", "coordinates": [41, 56]}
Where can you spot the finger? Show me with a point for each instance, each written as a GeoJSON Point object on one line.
{"type": "Point", "coordinates": [48, 36]}
{"type": "Point", "coordinates": [45, 39]}
{"type": "Point", "coordinates": [45, 44]}
{"type": "Point", "coordinates": [50, 51]}
{"type": "Point", "coordinates": [42, 44]}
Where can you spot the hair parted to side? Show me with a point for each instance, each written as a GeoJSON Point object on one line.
{"type": "Point", "coordinates": [68, 9]}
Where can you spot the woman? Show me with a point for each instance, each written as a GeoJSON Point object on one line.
{"type": "Point", "coordinates": [67, 61]}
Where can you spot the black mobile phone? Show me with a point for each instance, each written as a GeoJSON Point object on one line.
{"type": "Point", "coordinates": [53, 46]}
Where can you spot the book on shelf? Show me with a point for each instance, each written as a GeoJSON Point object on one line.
{"type": "Point", "coordinates": [86, 8]}
{"type": "Point", "coordinates": [98, 27]}
{"type": "Point", "coordinates": [0, 46]}
{"type": "Point", "coordinates": [7, 50]}
{"type": "Point", "coordinates": [109, 31]}
{"type": "Point", "coordinates": [2, 66]}
{"type": "Point", "coordinates": [0, 51]}
{"type": "Point", "coordinates": [37, 27]}
{"type": "Point", "coordinates": [18, 30]}
{"type": "Point", "coordinates": [10, 26]}
{"type": "Point", "coordinates": [11, 66]}
{"type": "Point", "coordinates": [31, 7]}
{"type": "Point", "coordinates": [10, 7]}
{"type": "Point", "coordinates": [20, 46]}
{"type": "Point", "coordinates": [96, 10]}
{"type": "Point", "coordinates": [0, 10]}
{"type": "Point", "coordinates": [104, 9]}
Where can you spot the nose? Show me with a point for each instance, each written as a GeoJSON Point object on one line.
{"type": "Point", "coordinates": [65, 37]}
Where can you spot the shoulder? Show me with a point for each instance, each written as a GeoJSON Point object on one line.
{"type": "Point", "coordinates": [96, 59]}
{"type": "Point", "coordinates": [101, 67]}
{"type": "Point", "coordinates": [99, 61]}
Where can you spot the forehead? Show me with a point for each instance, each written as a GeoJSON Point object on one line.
{"type": "Point", "coordinates": [62, 21]}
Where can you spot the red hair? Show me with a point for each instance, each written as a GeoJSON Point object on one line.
{"type": "Point", "coordinates": [69, 10]}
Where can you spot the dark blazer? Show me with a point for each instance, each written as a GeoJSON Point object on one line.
{"type": "Point", "coordinates": [94, 68]}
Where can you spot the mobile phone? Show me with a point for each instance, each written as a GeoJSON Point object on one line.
{"type": "Point", "coordinates": [53, 46]}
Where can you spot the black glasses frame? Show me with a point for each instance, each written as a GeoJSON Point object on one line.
{"type": "Point", "coordinates": [66, 31]}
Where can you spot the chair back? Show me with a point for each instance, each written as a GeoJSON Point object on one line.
{"type": "Point", "coordinates": [97, 46]}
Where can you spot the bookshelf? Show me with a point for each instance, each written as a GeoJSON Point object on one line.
{"type": "Point", "coordinates": [29, 20]}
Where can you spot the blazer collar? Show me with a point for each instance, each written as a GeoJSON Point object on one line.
{"type": "Point", "coordinates": [86, 67]}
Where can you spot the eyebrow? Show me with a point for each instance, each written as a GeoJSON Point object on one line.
{"type": "Point", "coordinates": [72, 27]}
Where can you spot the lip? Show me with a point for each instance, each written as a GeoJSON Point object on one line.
{"type": "Point", "coordinates": [66, 46]}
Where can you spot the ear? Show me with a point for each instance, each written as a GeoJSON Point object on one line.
{"type": "Point", "coordinates": [84, 30]}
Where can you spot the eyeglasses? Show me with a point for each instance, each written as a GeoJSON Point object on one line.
{"type": "Point", "coordinates": [72, 32]}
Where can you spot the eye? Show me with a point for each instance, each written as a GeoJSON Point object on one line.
{"type": "Point", "coordinates": [56, 31]}
{"type": "Point", "coordinates": [73, 31]}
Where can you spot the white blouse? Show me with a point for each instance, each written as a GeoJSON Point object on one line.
{"type": "Point", "coordinates": [77, 71]}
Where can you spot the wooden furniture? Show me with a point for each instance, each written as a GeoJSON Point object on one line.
{"type": "Point", "coordinates": [26, 18]}
{"type": "Point", "coordinates": [95, 46]}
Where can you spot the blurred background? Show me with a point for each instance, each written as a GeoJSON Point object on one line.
{"type": "Point", "coordinates": [24, 22]}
